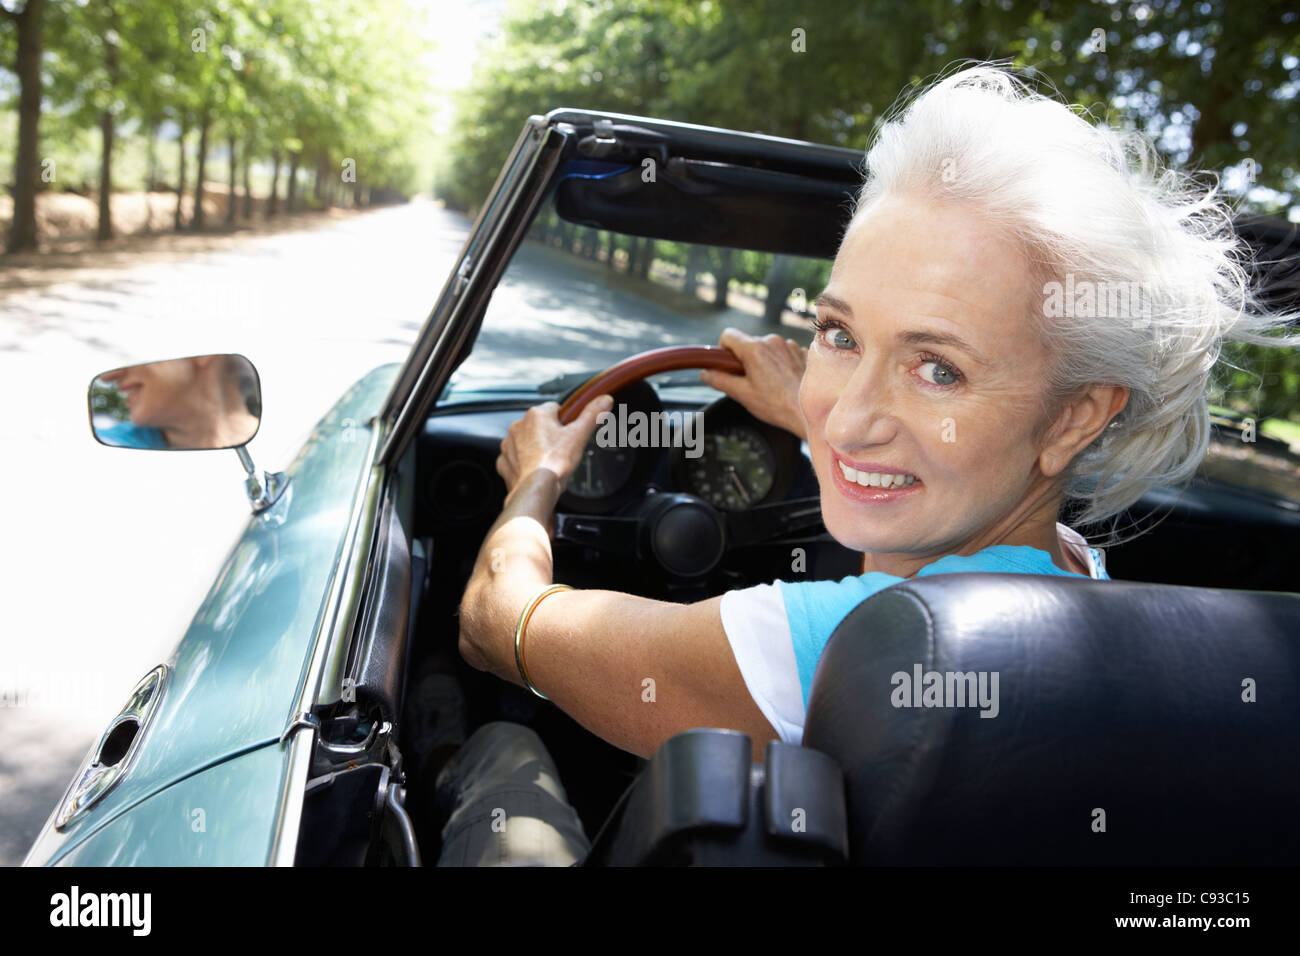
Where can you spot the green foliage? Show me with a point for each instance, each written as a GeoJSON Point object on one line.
{"type": "Point", "coordinates": [1259, 382]}
{"type": "Point", "coordinates": [1213, 86]}
{"type": "Point", "coordinates": [1209, 86]}
{"type": "Point", "coordinates": [334, 79]}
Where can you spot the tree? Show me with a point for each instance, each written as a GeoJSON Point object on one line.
{"type": "Point", "coordinates": [106, 121]}
{"type": "Point", "coordinates": [205, 121]}
{"type": "Point", "coordinates": [28, 27]}
{"type": "Point", "coordinates": [234, 178]}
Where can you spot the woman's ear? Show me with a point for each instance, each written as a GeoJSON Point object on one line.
{"type": "Point", "coordinates": [1078, 424]}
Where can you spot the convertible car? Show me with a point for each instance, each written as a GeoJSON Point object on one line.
{"type": "Point", "coordinates": [1150, 719]}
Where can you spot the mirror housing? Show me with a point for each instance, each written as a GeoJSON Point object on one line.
{"type": "Point", "coordinates": [197, 403]}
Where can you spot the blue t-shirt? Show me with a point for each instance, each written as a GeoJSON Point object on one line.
{"type": "Point", "coordinates": [778, 631]}
{"type": "Point", "coordinates": [127, 435]}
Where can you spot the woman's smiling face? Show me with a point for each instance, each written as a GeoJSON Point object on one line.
{"type": "Point", "coordinates": [927, 364]}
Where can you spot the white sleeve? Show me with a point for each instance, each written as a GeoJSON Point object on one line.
{"type": "Point", "coordinates": [759, 633]}
{"type": "Point", "coordinates": [1094, 559]}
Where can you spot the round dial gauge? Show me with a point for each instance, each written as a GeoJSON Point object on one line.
{"type": "Point", "coordinates": [736, 470]}
{"type": "Point", "coordinates": [602, 471]}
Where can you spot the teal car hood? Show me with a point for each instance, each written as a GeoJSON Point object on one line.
{"type": "Point", "coordinates": [234, 676]}
{"type": "Point", "coordinates": [220, 816]}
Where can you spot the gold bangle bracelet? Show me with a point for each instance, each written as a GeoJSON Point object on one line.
{"type": "Point", "coordinates": [519, 633]}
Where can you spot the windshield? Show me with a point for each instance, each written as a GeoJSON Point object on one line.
{"type": "Point", "coordinates": [575, 300]}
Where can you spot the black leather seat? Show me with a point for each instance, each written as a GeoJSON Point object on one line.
{"type": "Point", "coordinates": [1115, 698]}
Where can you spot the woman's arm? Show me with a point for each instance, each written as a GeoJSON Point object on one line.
{"type": "Point", "coordinates": [631, 670]}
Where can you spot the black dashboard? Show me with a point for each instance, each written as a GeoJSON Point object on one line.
{"type": "Point", "coordinates": [720, 454]}
{"type": "Point", "coordinates": [716, 459]}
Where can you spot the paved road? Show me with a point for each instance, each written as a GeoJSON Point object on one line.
{"type": "Point", "coordinates": [554, 313]}
{"type": "Point", "coordinates": [108, 552]}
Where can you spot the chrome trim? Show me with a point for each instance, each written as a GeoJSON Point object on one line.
{"type": "Point", "coordinates": [329, 688]}
{"type": "Point", "coordinates": [94, 779]}
{"type": "Point", "coordinates": [304, 719]}
{"type": "Point", "coordinates": [262, 492]}
{"type": "Point", "coordinates": [345, 588]}
{"type": "Point", "coordinates": [383, 729]}
{"type": "Point", "coordinates": [336, 618]}
{"type": "Point", "coordinates": [288, 818]}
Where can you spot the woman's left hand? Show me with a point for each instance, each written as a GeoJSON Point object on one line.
{"type": "Point", "coordinates": [539, 441]}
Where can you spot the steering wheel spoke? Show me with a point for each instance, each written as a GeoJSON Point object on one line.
{"type": "Point", "coordinates": [767, 523]}
{"type": "Point", "coordinates": [613, 535]}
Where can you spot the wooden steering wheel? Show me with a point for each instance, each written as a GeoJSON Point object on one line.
{"type": "Point", "coordinates": [636, 367]}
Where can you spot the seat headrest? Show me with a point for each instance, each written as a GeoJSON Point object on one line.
{"type": "Point", "coordinates": [1136, 724]}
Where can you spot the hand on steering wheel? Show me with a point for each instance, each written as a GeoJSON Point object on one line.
{"type": "Point", "coordinates": [768, 387]}
{"type": "Point", "coordinates": [544, 439]}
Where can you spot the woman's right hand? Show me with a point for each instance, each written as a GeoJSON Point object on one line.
{"type": "Point", "coordinates": [769, 389]}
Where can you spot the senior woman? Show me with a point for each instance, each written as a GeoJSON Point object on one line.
{"type": "Point", "coordinates": [953, 406]}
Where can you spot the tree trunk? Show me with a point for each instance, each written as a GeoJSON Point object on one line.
{"type": "Point", "coordinates": [150, 175]}
{"type": "Point", "coordinates": [696, 259]}
{"type": "Point", "coordinates": [248, 176]}
{"type": "Point", "coordinates": [779, 286]}
{"type": "Point", "coordinates": [722, 278]}
{"type": "Point", "coordinates": [197, 221]}
{"type": "Point", "coordinates": [273, 201]}
{"type": "Point", "coordinates": [105, 228]}
{"type": "Point", "coordinates": [151, 158]}
{"type": "Point", "coordinates": [234, 179]}
{"type": "Point", "coordinates": [22, 231]}
{"type": "Point", "coordinates": [1214, 127]}
{"type": "Point", "coordinates": [647, 258]}
{"type": "Point", "coordinates": [611, 245]}
{"type": "Point", "coordinates": [178, 222]}
{"type": "Point", "coordinates": [291, 191]}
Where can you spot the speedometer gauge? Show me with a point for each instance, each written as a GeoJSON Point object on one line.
{"type": "Point", "coordinates": [736, 469]}
{"type": "Point", "coordinates": [602, 472]}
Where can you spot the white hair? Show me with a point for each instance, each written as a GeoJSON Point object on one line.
{"type": "Point", "coordinates": [1095, 208]}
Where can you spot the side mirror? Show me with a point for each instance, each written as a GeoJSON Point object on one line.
{"type": "Point", "coordinates": [201, 402]}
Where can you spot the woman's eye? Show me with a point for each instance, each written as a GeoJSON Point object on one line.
{"type": "Point", "coordinates": [838, 337]}
{"type": "Point", "coordinates": [937, 373]}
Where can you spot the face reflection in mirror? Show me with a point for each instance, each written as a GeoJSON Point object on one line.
{"type": "Point", "coordinates": [207, 401]}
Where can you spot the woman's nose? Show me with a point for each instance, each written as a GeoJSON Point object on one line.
{"type": "Point", "coordinates": [864, 411]}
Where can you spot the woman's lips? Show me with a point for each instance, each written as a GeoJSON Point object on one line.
{"type": "Point", "coordinates": [866, 493]}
